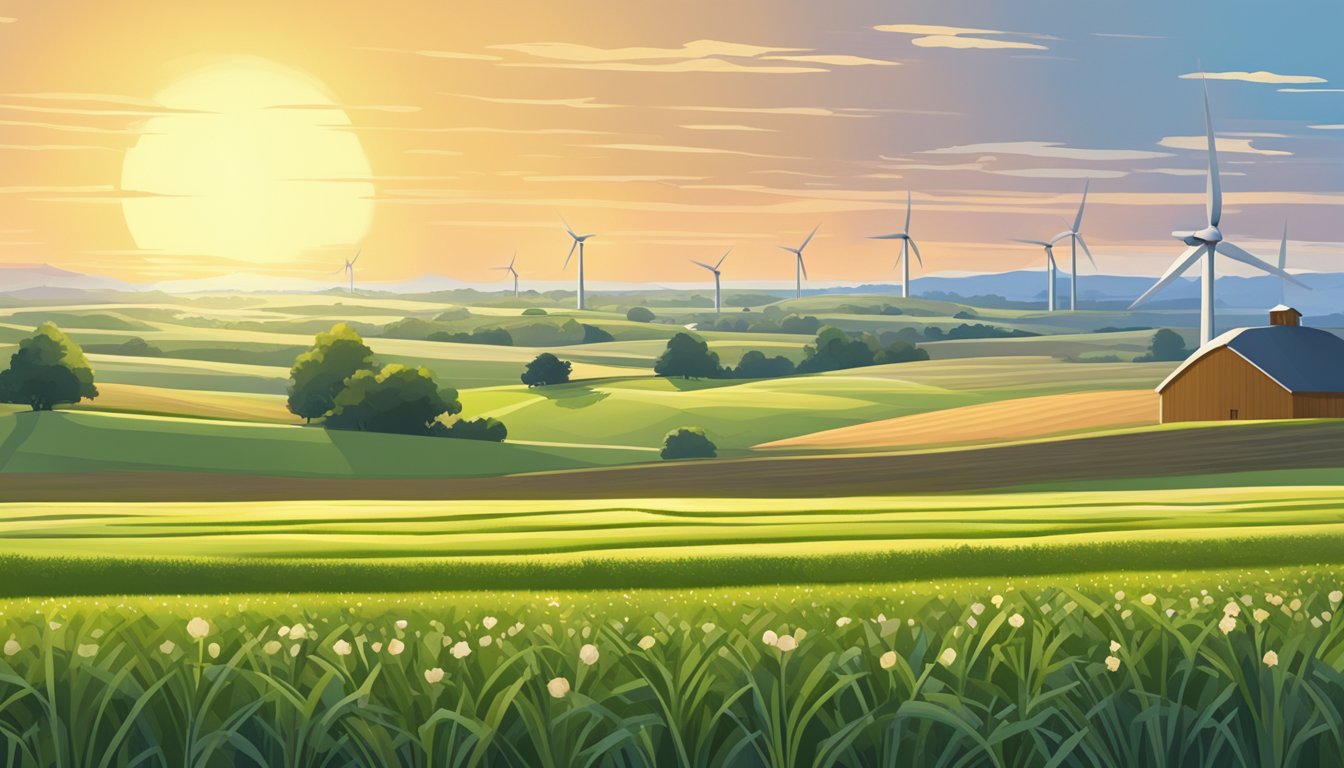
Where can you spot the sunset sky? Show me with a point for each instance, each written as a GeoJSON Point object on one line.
{"type": "Point", "coordinates": [154, 140]}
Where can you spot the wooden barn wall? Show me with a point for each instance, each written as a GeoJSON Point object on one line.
{"type": "Point", "coordinates": [1218, 383]}
{"type": "Point", "coordinates": [1318, 405]}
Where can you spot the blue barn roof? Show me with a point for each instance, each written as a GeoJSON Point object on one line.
{"type": "Point", "coordinates": [1296, 357]}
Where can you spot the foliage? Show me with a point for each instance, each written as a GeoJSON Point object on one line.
{"type": "Point", "coordinates": [397, 399]}
{"type": "Point", "coordinates": [689, 357]}
{"type": "Point", "coordinates": [639, 315]}
{"type": "Point", "coordinates": [799, 325]}
{"type": "Point", "coordinates": [836, 350]}
{"type": "Point", "coordinates": [899, 352]}
{"type": "Point", "coordinates": [486, 428]}
{"type": "Point", "coordinates": [319, 374]}
{"type": "Point", "coordinates": [687, 443]}
{"type": "Point", "coordinates": [132, 347]}
{"type": "Point", "coordinates": [494, 336]}
{"type": "Point", "coordinates": [595, 335]}
{"type": "Point", "coordinates": [531, 311]}
{"type": "Point", "coordinates": [1199, 672]}
{"type": "Point", "coordinates": [546, 369]}
{"type": "Point", "coordinates": [47, 370]}
{"type": "Point", "coordinates": [975, 331]}
{"type": "Point", "coordinates": [1166, 346]}
{"type": "Point", "coordinates": [755, 365]}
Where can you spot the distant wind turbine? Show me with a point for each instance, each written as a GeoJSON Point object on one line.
{"type": "Point", "coordinates": [1283, 264]}
{"type": "Point", "coordinates": [1050, 268]}
{"type": "Point", "coordinates": [513, 272]}
{"type": "Point", "coordinates": [1208, 242]}
{"type": "Point", "coordinates": [350, 269]}
{"type": "Point", "coordinates": [578, 243]}
{"type": "Point", "coordinates": [1076, 239]}
{"type": "Point", "coordinates": [715, 270]}
{"type": "Point", "coordinates": [801, 268]}
{"type": "Point", "coordinates": [907, 242]}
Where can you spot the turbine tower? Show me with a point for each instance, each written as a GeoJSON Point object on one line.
{"type": "Point", "coordinates": [578, 243]}
{"type": "Point", "coordinates": [715, 270]}
{"type": "Point", "coordinates": [1050, 268]}
{"type": "Point", "coordinates": [513, 272]}
{"type": "Point", "coordinates": [1208, 242]}
{"type": "Point", "coordinates": [1076, 239]}
{"type": "Point", "coordinates": [350, 269]}
{"type": "Point", "coordinates": [801, 267]}
{"type": "Point", "coordinates": [907, 242]}
{"type": "Point", "coordinates": [1283, 264]}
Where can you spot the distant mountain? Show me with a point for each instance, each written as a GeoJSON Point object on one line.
{"type": "Point", "coordinates": [28, 277]}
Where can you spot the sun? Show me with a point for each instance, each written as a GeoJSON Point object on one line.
{"type": "Point", "coordinates": [253, 162]}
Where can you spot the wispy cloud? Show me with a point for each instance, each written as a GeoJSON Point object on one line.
{"type": "Point", "coordinates": [394, 108]}
{"type": "Point", "coordinates": [836, 60]}
{"type": "Point", "coordinates": [937, 36]}
{"type": "Point", "coordinates": [728, 127]}
{"type": "Point", "coordinates": [686, 150]}
{"type": "Point", "coordinates": [1049, 149]}
{"type": "Point", "coordinates": [1328, 127]}
{"type": "Point", "coordinates": [854, 112]}
{"type": "Point", "coordinates": [1228, 145]}
{"type": "Point", "coordinates": [1062, 173]}
{"type": "Point", "coordinates": [1311, 90]}
{"type": "Point", "coordinates": [589, 102]}
{"type": "Point", "coordinates": [695, 56]}
{"type": "Point", "coordinates": [1260, 76]}
{"type": "Point", "coordinates": [1126, 36]}
{"type": "Point", "coordinates": [432, 54]}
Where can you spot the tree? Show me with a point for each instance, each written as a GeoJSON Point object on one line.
{"type": "Point", "coordinates": [834, 350]}
{"type": "Point", "coordinates": [687, 443]}
{"type": "Point", "coordinates": [397, 399]}
{"type": "Point", "coordinates": [1166, 346]}
{"type": "Point", "coordinates": [639, 315]}
{"type": "Point", "coordinates": [755, 365]}
{"type": "Point", "coordinates": [688, 357]}
{"type": "Point", "coordinates": [546, 369]}
{"type": "Point", "coordinates": [594, 335]}
{"type": "Point", "coordinates": [319, 374]}
{"type": "Point", "coordinates": [900, 352]}
{"type": "Point", "coordinates": [476, 429]}
{"type": "Point", "coordinates": [47, 370]}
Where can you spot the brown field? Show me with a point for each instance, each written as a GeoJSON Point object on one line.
{"type": "Point", "coordinates": [1018, 419]}
{"type": "Point", "coordinates": [240, 406]}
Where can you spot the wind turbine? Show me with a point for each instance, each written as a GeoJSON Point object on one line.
{"type": "Point", "coordinates": [798, 254]}
{"type": "Point", "coordinates": [350, 269]}
{"type": "Point", "coordinates": [1076, 239]}
{"type": "Point", "coordinates": [1050, 268]}
{"type": "Point", "coordinates": [715, 270]}
{"type": "Point", "coordinates": [907, 243]}
{"type": "Point", "coordinates": [1283, 264]}
{"type": "Point", "coordinates": [513, 272]}
{"type": "Point", "coordinates": [578, 243]}
{"type": "Point", "coordinates": [1208, 242]}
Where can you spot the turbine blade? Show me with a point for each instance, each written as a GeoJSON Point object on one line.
{"type": "Point", "coordinates": [918, 257]}
{"type": "Point", "coordinates": [1236, 253]}
{"type": "Point", "coordinates": [1078, 220]}
{"type": "Point", "coordinates": [568, 228]}
{"type": "Point", "coordinates": [701, 264]}
{"type": "Point", "coordinates": [1182, 263]}
{"type": "Point", "coordinates": [907, 210]}
{"type": "Point", "coordinates": [1086, 250]}
{"type": "Point", "coordinates": [1215, 187]}
{"type": "Point", "coordinates": [352, 261]}
{"type": "Point", "coordinates": [571, 253]}
{"type": "Point", "coordinates": [809, 237]}
{"type": "Point", "coordinates": [721, 258]}
{"type": "Point", "coordinates": [1041, 243]}
{"type": "Point", "coordinates": [515, 258]}
{"type": "Point", "coordinates": [803, 265]}
{"type": "Point", "coordinates": [1061, 236]}
{"type": "Point", "coordinates": [892, 236]}
{"type": "Point", "coordinates": [794, 251]}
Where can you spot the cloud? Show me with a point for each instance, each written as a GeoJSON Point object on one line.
{"type": "Point", "coordinates": [695, 56]}
{"type": "Point", "coordinates": [1186, 172]}
{"type": "Point", "coordinates": [837, 60]}
{"type": "Point", "coordinates": [675, 149]}
{"type": "Point", "coordinates": [70, 128]}
{"type": "Point", "coordinates": [7, 19]}
{"type": "Point", "coordinates": [589, 102]}
{"type": "Point", "coordinates": [1050, 149]}
{"type": "Point", "coordinates": [1311, 90]}
{"type": "Point", "coordinates": [697, 49]}
{"type": "Point", "coordinates": [935, 36]}
{"type": "Point", "coordinates": [1254, 77]}
{"type": "Point", "coordinates": [396, 108]}
{"type": "Point", "coordinates": [1124, 36]}
{"type": "Point", "coordinates": [1062, 173]}
{"type": "Point", "coordinates": [727, 127]}
{"type": "Point", "coordinates": [431, 54]}
{"type": "Point", "coordinates": [612, 178]}
{"type": "Point", "coordinates": [56, 147]}
{"type": "Point", "coordinates": [1230, 146]}
{"type": "Point", "coordinates": [475, 129]}
{"type": "Point", "coordinates": [1328, 127]}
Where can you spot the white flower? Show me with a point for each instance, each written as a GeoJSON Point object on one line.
{"type": "Point", "coordinates": [707, 627]}
{"type": "Point", "coordinates": [395, 647]}
{"type": "Point", "coordinates": [842, 621]}
{"type": "Point", "coordinates": [166, 647]}
{"type": "Point", "coordinates": [770, 638]}
{"type": "Point", "coordinates": [1260, 614]}
{"type": "Point", "coordinates": [1170, 612]}
{"type": "Point", "coordinates": [489, 622]}
{"type": "Point", "coordinates": [997, 600]}
{"type": "Point", "coordinates": [485, 641]}
{"type": "Point", "coordinates": [977, 608]}
{"type": "Point", "coordinates": [1295, 605]}
{"type": "Point", "coordinates": [970, 622]}
{"type": "Point", "coordinates": [588, 654]}
{"type": "Point", "coordinates": [341, 647]}
{"type": "Point", "coordinates": [646, 642]}
{"type": "Point", "coordinates": [1119, 596]}
{"type": "Point", "coordinates": [1115, 646]}
{"type": "Point", "coordinates": [1227, 625]}
{"type": "Point", "coordinates": [283, 632]}
{"type": "Point", "coordinates": [1016, 621]}
{"type": "Point", "coordinates": [377, 646]}
{"type": "Point", "coordinates": [12, 647]}
{"type": "Point", "coordinates": [55, 625]}
{"type": "Point", "coordinates": [294, 650]}
{"type": "Point", "coordinates": [1336, 597]}
{"type": "Point", "coordinates": [787, 643]}
{"type": "Point", "coordinates": [1231, 609]}
{"type": "Point", "coordinates": [434, 675]}
{"type": "Point", "coordinates": [1148, 599]}
{"type": "Point", "coordinates": [198, 628]}
{"type": "Point", "coordinates": [401, 623]}
{"type": "Point", "coordinates": [271, 648]}
{"type": "Point", "coordinates": [948, 657]}
{"type": "Point", "coordinates": [297, 632]}
{"type": "Point", "coordinates": [461, 650]}
{"type": "Point", "coordinates": [558, 688]}
{"type": "Point", "coordinates": [1112, 663]}
{"type": "Point", "coordinates": [888, 660]}
{"type": "Point", "coordinates": [87, 650]}
{"type": "Point", "coordinates": [1271, 659]}
{"type": "Point", "coordinates": [213, 650]}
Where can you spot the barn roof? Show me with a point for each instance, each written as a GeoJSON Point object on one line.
{"type": "Point", "coordinates": [1298, 358]}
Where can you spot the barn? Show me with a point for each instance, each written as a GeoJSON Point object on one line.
{"type": "Point", "coordinates": [1280, 371]}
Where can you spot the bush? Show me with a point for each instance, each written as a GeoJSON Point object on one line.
{"type": "Point", "coordinates": [835, 350]}
{"type": "Point", "coordinates": [533, 311]}
{"type": "Point", "coordinates": [688, 443]}
{"type": "Point", "coordinates": [688, 357]}
{"type": "Point", "coordinates": [546, 369]}
{"type": "Point", "coordinates": [801, 325]}
{"type": "Point", "coordinates": [594, 335]}
{"type": "Point", "coordinates": [47, 370]}
{"type": "Point", "coordinates": [132, 347]}
{"type": "Point", "coordinates": [639, 315]}
{"type": "Point", "coordinates": [486, 428]}
{"type": "Point", "coordinates": [966, 314]}
{"type": "Point", "coordinates": [397, 399]}
{"type": "Point", "coordinates": [755, 365]}
{"type": "Point", "coordinates": [319, 374]}
{"type": "Point", "coordinates": [494, 336]}
{"type": "Point", "coordinates": [1166, 346]}
{"type": "Point", "coordinates": [900, 352]}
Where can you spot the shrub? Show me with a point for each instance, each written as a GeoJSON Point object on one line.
{"type": "Point", "coordinates": [546, 369]}
{"type": "Point", "coordinates": [687, 443]}
{"type": "Point", "coordinates": [533, 311]}
{"type": "Point", "coordinates": [755, 365]}
{"type": "Point", "coordinates": [639, 315]}
{"type": "Point", "coordinates": [397, 399]}
{"type": "Point", "coordinates": [796, 324]}
{"type": "Point", "coordinates": [688, 357]}
{"type": "Point", "coordinates": [900, 352]}
{"type": "Point", "coordinates": [132, 347]}
{"type": "Point", "coordinates": [47, 370]}
{"type": "Point", "coordinates": [485, 428]}
{"type": "Point", "coordinates": [594, 335]}
{"type": "Point", "coordinates": [319, 374]}
{"type": "Point", "coordinates": [1166, 346]}
{"type": "Point", "coordinates": [495, 336]}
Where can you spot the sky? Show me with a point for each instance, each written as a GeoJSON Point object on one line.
{"type": "Point", "coordinates": [159, 140]}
